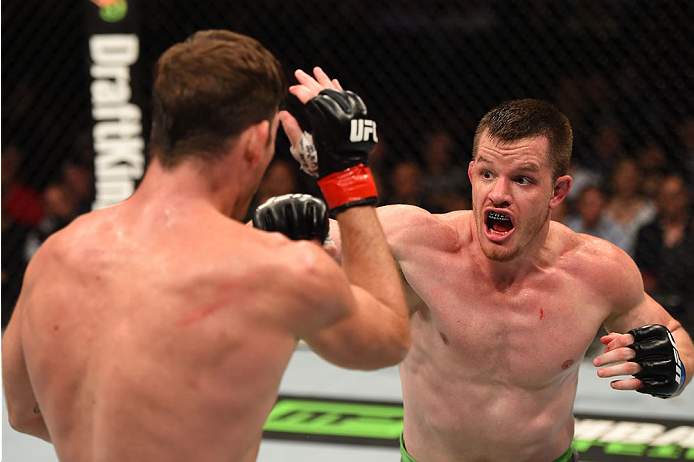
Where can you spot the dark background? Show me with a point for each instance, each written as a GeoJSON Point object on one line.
{"type": "Point", "coordinates": [422, 66]}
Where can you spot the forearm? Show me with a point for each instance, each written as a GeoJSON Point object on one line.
{"type": "Point", "coordinates": [682, 340]}
{"type": "Point", "coordinates": [367, 260]}
{"type": "Point", "coordinates": [377, 333]}
{"type": "Point", "coordinates": [686, 352]}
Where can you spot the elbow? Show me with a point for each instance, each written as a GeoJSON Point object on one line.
{"type": "Point", "coordinates": [397, 341]}
{"type": "Point", "coordinates": [17, 420]}
{"type": "Point", "coordinates": [401, 344]}
{"type": "Point", "coordinates": [392, 352]}
{"type": "Point", "coordinates": [402, 338]}
{"type": "Point", "coordinates": [30, 424]}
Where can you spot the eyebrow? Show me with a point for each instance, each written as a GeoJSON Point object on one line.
{"type": "Point", "coordinates": [527, 167]}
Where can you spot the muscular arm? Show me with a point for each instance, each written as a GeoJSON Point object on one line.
{"type": "Point", "coordinates": [407, 228]}
{"type": "Point", "coordinates": [376, 332]}
{"type": "Point", "coordinates": [634, 308]}
{"type": "Point", "coordinates": [22, 407]}
{"type": "Point", "coordinates": [409, 231]}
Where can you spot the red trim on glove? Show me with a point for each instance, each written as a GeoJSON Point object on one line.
{"type": "Point", "coordinates": [350, 185]}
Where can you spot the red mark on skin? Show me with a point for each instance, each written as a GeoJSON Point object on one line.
{"type": "Point", "coordinates": [201, 314]}
{"type": "Point", "coordinates": [542, 314]}
{"type": "Point", "coordinates": [567, 364]}
{"type": "Point", "coordinates": [443, 337]}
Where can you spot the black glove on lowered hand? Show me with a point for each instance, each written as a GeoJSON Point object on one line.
{"type": "Point", "coordinates": [663, 372]}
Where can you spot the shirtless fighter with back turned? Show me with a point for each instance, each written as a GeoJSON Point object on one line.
{"type": "Point", "coordinates": [513, 301]}
{"type": "Point", "coordinates": [158, 329]}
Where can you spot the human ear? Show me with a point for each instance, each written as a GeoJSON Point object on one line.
{"type": "Point", "coordinates": [561, 189]}
{"type": "Point", "coordinates": [257, 137]}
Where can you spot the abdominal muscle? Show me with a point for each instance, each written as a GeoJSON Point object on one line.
{"type": "Point", "coordinates": [458, 413]}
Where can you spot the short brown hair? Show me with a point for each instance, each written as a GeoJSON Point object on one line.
{"type": "Point", "coordinates": [209, 89]}
{"type": "Point", "coordinates": [529, 118]}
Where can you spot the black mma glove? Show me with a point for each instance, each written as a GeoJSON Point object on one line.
{"type": "Point", "coordinates": [297, 216]}
{"type": "Point", "coordinates": [338, 147]}
{"type": "Point", "coordinates": [663, 372]}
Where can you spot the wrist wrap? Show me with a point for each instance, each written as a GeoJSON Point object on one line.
{"type": "Point", "coordinates": [351, 187]}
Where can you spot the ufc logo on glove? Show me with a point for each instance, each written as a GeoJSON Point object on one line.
{"type": "Point", "coordinates": [361, 129]}
{"type": "Point", "coordinates": [338, 164]}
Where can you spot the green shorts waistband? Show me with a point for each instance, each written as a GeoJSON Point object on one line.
{"type": "Point", "coordinates": [405, 457]}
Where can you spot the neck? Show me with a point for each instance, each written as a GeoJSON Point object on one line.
{"type": "Point", "coordinates": [192, 182]}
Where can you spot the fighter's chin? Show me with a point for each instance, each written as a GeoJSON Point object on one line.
{"type": "Point", "coordinates": [499, 253]}
{"type": "Point", "coordinates": [498, 246]}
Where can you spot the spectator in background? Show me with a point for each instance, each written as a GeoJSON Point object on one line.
{"type": "Point", "coordinates": [627, 206]}
{"type": "Point", "coordinates": [61, 207]}
{"type": "Point", "coordinates": [406, 184]}
{"type": "Point", "coordinates": [685, 132]}
{"type": "Point", "coordinates": [450, 200]}
{"type": "Point", "coordinates": [590, 217]}
{"type": "Point", "coordinates": [654, 164]}
{"type": "Point", "coordinates": [445, 182]}
{"type": "Point", "coordinates": [378, 164]}
{"type": "Point", "coordinates": [21, 211]}
{"type": "Point", "coordinates": [13, 265]}
{"type": "Point", "coordinates": [665, 251]}
{"type": "Point", "coordinates": [605, 149]}
{"type": "Point", "coordinates": [20, 203]}
{"type": "Point", "coordinates": [596, 91]}
{"type": "Point", "coordinates": [79, 179]}
{"type": "Point", "coordinates": [582, 178]}
{"type": "Point", "coordinates": [569, 98]}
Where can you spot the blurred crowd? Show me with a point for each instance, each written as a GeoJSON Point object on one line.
{"type": "Point", "coordinates": [640, 200]}
{"type": "Point", "coordinates": [30, 215]}
{"type": "Point", "coordinates": [428, 69]}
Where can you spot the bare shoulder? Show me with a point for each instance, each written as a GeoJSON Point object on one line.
{"type": "Point", "coordinates": [64, 244]}
{"type": "Point", "coordinates": [287, 259]}
{"type": "Point", "coordinates": [306, 284]}
{"type": "Point", "coordinates": [305, 260]}
{"type": "Point", "coordinates": [406, 225]}
{"type": "Point", "coordinates": [602, 266]}
{"type": "Point", "coordinates": [63, 261]}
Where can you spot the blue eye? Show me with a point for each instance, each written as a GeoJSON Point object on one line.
{"type": "Point", "coordinates": [486, 175]}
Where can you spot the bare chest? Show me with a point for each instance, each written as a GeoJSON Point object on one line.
{"type": "Point", "coordinates": [529, 334]}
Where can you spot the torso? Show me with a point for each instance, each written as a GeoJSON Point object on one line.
{"type": "Point", "coordinates": [492, 372]}
{"type": "Point", "coordinates": [140, 353]}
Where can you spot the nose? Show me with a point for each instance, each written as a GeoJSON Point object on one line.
{"type": "Point", "coordinates": [500, 195]}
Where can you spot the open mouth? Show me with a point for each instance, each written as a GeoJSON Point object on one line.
{"type": "Point", "coordinates": [499, 223]}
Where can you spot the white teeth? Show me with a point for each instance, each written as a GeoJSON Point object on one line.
{"type": "Point", "coordinates": [498, 216]}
